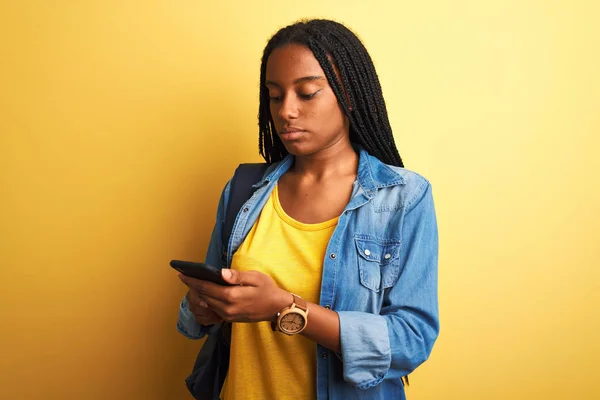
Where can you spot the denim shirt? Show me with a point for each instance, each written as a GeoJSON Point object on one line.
{"type": "Point", "coordinates": [379, 275]}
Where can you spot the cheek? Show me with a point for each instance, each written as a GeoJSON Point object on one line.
{"type": "Point", "coordinates": [330, 114]}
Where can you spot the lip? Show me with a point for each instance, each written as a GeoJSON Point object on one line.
{"type": "Point", "coordinates": [291, 133]}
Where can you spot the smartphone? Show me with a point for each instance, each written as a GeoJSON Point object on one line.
{"type": "Point", "coordinates": [201, 271]}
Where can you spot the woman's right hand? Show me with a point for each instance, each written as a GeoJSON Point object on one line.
{"type": "Point", "coordinates": [203, 314]}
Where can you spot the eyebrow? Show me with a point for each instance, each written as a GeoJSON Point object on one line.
{"type": "Point", "coordinates": [296, 81]}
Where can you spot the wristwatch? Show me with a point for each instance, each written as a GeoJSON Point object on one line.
{"type": "Point", "coordinates": [293, 319]}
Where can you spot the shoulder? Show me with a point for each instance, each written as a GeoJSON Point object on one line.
{"type": "Point", "coordinates": [412, 181]}
{"type": "Point", "coordinates": [247, 176]}
{"type": "Point", "coordinates": [409, 189]}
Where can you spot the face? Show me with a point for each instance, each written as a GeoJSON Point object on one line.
{"type": "Point", "coordinates": [305, 111]}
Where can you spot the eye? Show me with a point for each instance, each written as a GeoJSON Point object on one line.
{"type": "Point", "coordinates": [309, 96]}
{"type": "Point", "coordinates": [274, 94]}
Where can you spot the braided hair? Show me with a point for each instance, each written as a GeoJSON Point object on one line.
{"type": "Point", "coordinates": [359, 94]}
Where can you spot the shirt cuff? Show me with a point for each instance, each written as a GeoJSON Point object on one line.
{"type": "Point", "coordinates": [366, 353]}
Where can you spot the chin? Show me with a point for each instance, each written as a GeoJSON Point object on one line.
{"type": "Point", "coordinates": [299, 149]}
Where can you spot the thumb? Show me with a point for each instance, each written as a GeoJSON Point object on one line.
{"type": "Point", "coordinates": [230, 276]}
{"type": "Point", "coordinates": [235, 277]}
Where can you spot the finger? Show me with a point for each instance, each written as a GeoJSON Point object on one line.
{"type": "Point", "coordinates": [202, 304]}
{"type": "Point", "coordinates": [199, 286]}
{"type": "Point", "coordinates": [198, 304]}
{"type": "Point", "coordinates": [203, 316]}
{"type": "Point", "coordinates": [216, 304]}
{"type": "Point", "coordinates": [195, 299]}
{"type": "Point", "coordinates": [183, 278]}
{"type": "Point", "coordinates": [235, 277]}
{"type": "Point", "coordinates": [215, 308]}
{"type": "Point", "coordinates": [193, 283]}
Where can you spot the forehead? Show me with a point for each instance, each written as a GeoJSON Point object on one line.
{"type": "Point", "coordinates": [293, 61]}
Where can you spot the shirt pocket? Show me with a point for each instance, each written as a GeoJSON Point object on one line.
{"type": "Point", "coordinates": [378, 261]}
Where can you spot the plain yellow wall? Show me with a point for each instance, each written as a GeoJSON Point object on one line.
{"type": "Point", "coordinates": [121, 120]}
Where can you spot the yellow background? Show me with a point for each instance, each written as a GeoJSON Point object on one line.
{"type": "Point", "coordinates": [121, 120]}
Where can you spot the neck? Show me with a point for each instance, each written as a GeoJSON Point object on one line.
{"type": "Point", "coordinates": [337, 160]}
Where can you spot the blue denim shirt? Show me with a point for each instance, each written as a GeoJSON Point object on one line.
{"type": "Point", "coordinates": [379, 275]}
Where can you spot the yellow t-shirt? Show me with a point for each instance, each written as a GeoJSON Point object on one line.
{"type": "Point", "coordinates": [266, 364]}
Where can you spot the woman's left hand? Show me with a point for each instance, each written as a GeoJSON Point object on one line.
{"type": "Point", "coordinates": [255, 296]}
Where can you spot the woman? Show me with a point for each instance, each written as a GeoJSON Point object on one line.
{"type": "Point", "coordinates": [335, 254]}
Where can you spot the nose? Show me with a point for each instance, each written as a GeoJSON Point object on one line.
{"type": "Point", "coordinates": [289, 108]}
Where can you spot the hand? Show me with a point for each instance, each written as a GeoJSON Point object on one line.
{"type": "Point", "coordinates": [255, 297]}
{"type": "Point", "coordinates": [203, 314]}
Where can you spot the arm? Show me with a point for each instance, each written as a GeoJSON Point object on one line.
{"type": "Point", "coordinates": [323, 327]}
{"type": "Point", "coordinates": [256, 298]}
{"type": "Point", "coordinates": [186, 323]}
{"type": "Point", "coordinates": [410, 310]}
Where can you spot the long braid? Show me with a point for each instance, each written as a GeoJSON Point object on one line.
{"type": "Point", "coordinates": [359, 92]}
{"type": "Point", "coordinates": [375, 103]}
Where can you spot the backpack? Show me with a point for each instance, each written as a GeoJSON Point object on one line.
{"type": "Point", "coordinates": [212, 363]}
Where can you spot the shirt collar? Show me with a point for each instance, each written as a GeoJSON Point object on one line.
{"type": "Point", "coordinates": [373, 174]}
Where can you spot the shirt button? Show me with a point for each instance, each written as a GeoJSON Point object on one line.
{"type": "Point", "coordinates": [328, 306]}
{"type": "Point", "coordinates": [324, 355]}
{"type": "Point", "coordinates": [246, 209]}
{"type": "Point", "coordinates": [387, 256]}
{"type": "Point", "coordinates": [367, 252]}
{"type": "Point", "coordinates": [332, 256]}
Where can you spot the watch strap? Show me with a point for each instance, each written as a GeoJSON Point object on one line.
{"type": "Point", "coordinates": [300, 302]}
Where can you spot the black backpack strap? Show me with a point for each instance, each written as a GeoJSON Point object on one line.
{"type": "Point", "coordinates": [240, 190]}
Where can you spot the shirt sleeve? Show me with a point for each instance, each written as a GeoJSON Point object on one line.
{"type": "Point", "coordinates": [409, 314]}
{"type": "Point", "coordinates": [186, 323]}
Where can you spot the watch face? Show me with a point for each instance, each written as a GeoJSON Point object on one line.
{"type": "Point", "coordinates": [292, 322]}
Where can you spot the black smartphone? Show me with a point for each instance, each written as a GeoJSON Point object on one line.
{"type": "Point", "coordinates": [201, 271]}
